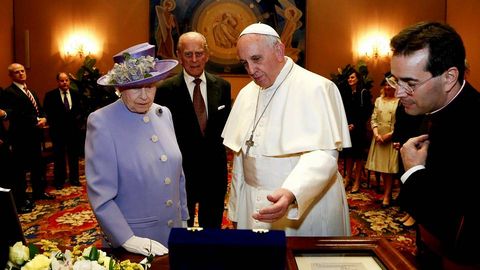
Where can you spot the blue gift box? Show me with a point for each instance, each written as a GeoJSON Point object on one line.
{"type": "Point", "coordinates": [226, 249]}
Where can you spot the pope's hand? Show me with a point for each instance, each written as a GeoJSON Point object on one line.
{"type": "Point", "coordinates": [280, 200]}
{"type": "Point", "coordinates": [144, 246]}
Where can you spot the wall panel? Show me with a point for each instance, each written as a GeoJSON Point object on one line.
{"type": "Point", "coordinates": [333, 27]}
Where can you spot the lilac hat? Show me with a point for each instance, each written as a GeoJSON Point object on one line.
{"type": "Point", "coordinates": [136, 66]}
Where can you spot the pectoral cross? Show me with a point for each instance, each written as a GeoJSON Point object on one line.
{"type": "Point", "coordinates": [249, 143]}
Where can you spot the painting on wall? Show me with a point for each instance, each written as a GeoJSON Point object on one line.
{"type": "Point", "coordinates": [221, 22]}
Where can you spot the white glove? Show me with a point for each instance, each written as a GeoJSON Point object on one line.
{"type": "Point", "coordinates": [144, 246]}
{"type": "Point", "coordinates": [184, 224]}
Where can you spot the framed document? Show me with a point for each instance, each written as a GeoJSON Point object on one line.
{"type": "Point", "coordinates": [353, 253]}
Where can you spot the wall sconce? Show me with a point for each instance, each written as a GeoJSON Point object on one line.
{"type": "Point", "coordinates": [374, 47]}
{"type": "Point", "coordinates": [79, 44]}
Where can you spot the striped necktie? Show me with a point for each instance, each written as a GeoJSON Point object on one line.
{"type": "Point", "coordinates": [32, 100]}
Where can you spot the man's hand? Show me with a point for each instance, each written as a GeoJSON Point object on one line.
{"type": "Point", "coordinates": [41, 122]}
{"type": "Point", "coordinates": [414, 151]}
{"type": "Point", "coordinates": [281, 199]}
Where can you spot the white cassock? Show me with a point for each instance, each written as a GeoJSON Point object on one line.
{"type": "Point", "coordinates": [296, 143]}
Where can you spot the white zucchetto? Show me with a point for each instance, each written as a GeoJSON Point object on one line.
{"type": "Point", "coordinates": [259, 28]}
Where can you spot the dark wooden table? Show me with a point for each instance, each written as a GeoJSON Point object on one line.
{"type": "Point", "coordinates": [379, 248]}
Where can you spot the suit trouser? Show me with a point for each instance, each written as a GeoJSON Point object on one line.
{"type": "Point", "coordinates": [7, 174]}
{"type": "Point", "coordinates": [65, 149]}
{"type": "Point", "coordinates": [27, 157]}
{"type": "Point", "coordinates": [211, 204]}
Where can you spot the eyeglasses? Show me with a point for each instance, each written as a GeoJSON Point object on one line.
{"type": "Point", "coordinates": [407, 86]}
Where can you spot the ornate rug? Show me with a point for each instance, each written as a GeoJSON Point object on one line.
{"type": "Point", "coordinates": [69, 220]}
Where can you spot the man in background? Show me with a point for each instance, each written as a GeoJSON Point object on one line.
{"type": "Point", "coordinates": [440, 185]}
{"type": "Point", "coordinates": [63, 107]}
{"type": "Point", "coordinates": [26, 122]}
{"type": "Point", "coordinates": [200, 103]}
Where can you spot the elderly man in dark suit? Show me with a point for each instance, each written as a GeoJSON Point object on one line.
{"type": "Point", "coordinates": [27, 120]}
{"type": "Point", "coordinates": [65, 117]}
{"type": "Point", "coordinates": [200, 103]}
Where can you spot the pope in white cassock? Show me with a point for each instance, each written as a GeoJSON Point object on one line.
{"type": "Point", "coordinates": [285, 128]}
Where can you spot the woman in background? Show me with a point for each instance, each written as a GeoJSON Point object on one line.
{"type": "Point", "coordinates": [358, 106]}
{"type": "Point", "coordinates": [382, 156]}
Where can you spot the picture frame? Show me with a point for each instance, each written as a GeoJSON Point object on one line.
{"type": "Point", "coordinates": [221, 22]}
{"type": "Point", "coordinates": [344, 253]}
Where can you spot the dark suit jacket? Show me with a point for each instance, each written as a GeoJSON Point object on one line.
{"type": "Point", "coordinates": [204, 157]}
{"type": "Point", "coordinates": [22, 116]}
{"type": "Point", "coordinates": [63, 124]}
{"type": "Point", "coordinates": [5, 155]}
{"type": "Point", "coordinates": [406, 126]}
{"type": "Point", "coordinates": [6, 180]}
{"type": "Point", "coordinates": [444, 196]}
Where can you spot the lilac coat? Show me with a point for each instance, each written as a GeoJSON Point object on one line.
{"type": "Point", "coordinates": [135, 181]}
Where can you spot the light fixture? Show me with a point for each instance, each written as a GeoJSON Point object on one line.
{"type": "Point", "coordinates": [79, 44]}
{"type": "Point", "coordinates": [374, 46]}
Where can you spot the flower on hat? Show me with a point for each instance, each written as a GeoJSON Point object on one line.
{"type": "Point", "coordinates": [130, 70]}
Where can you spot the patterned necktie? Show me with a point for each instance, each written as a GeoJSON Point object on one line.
{"type": "Point", "coordinates": [32, 100]}
{"type": "Point", "coordinates": [199, 105]}
{"type": "Point", "coordinates": [65, 101]}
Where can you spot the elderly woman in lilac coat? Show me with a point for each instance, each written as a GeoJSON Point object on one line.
{"type": "Point", "coordinates": [135, 181]}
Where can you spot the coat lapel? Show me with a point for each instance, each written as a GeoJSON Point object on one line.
{"type": "Point", "coordinates": [213, 94]}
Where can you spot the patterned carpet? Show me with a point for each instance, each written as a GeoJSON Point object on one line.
{"type": "Point", "coordinates": [368, 218]}
{"type": "Point", "coordinates": [69, 221]}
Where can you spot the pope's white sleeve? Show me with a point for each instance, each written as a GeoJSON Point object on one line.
{"type": "Point", "coordinates": [310, 178]}
{"type": "Point", "coordinates": [236, 186]}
